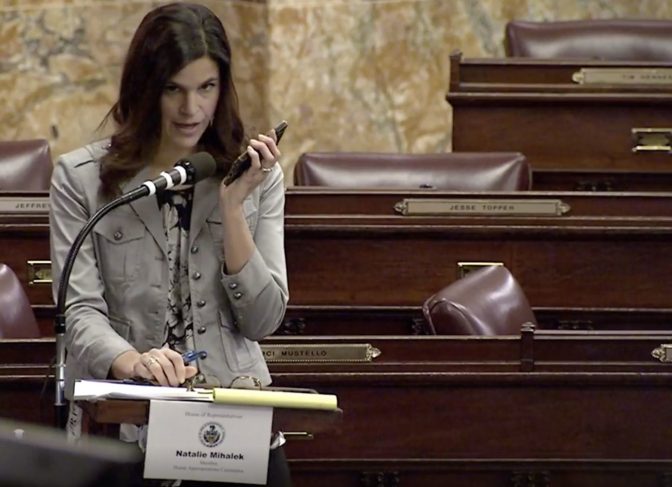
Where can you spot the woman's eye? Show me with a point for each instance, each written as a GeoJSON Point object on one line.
{"type": "Point", "coordinates": [209, 86]}
{"type": "Point", "coordinates": [170, 89]}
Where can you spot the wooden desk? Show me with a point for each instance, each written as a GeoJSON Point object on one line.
{"type": "Point", "coordinates": [543, 408]}
{"type": "Point", "coordinates": [437, 412]}
{"type": "Point", "coordinates": [104, 417]}
{"type": "Point", "coordinates": [24, 238]}
{"type": "Point", "coordinates": [347, 250]}
{"type": "Point", "coordinates": [575, 136]}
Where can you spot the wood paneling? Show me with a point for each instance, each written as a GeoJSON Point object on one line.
{"type": "Point", "coordinates": [563, 128]}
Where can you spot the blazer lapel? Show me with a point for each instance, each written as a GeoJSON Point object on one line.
{"type": "Point", "coordinates": [147, 209]}
{"type": "Point", "coordinates": [206, 199]}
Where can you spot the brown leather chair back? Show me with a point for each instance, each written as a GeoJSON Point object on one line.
{"type": "Point", "coordinates": [25, 165]}
{"type": "Point", "coordinates": [450, 171]}
{"type": "Point", "coordinates": [487, 301]}
{"type": "Point", "coordinates": [17, 319]}
{"type": "Point", "coordinates": [602, 39]}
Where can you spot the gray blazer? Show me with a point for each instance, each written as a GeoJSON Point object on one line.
{"type": "Point", "coordinates": [117, 295]}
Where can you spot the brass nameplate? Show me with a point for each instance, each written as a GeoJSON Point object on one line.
{"type": "Point", "coordinates": [623, 76]}
{"type": "Point", "coordinates": [345, 352]}
{"type": "Point", "coordinates": [39, 272]}
{"type": "Point", "coordinates": [24, 204]}
{"type": "Point", "coordinates": [546, 207]}
{"type": "Point", "coordinates": [663, 353]}
{"type": "Point", "coordinates": [651, 139]}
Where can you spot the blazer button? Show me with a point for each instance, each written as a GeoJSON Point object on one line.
{"type": "Point", "coordinates": [237, 295]}
{"type": "Point", "coordinates": [200, 303]}
{"type": "Point", "coordinates": [233, 285]}
{"type": "Point", "coordinates": [201, 330]}
{"type": "Point", "coordinates": [196, 275]}
{"type": "Point", "coordinates": [118, 235]}
{"type": "Point", "coordinates": [194, 249]}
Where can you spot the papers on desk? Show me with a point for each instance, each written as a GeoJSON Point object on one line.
{"type": "Point", "coordinates": [87, 390]}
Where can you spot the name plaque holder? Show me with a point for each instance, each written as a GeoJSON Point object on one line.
{"type": "Point", "coordinates": [489, 207]}
{"type": "Point", "coordinates": [347, 352]}
{"type": "Point", "coordinates": [24, 204]}
{"type": "Point", "coordinates": [208, 442]}
{"type": "Point", "coordinates": [623, 76]}
{"type": "Point", "coordinates": [663, 353]}
{"type": "Point", "coordinates": [649, 139]}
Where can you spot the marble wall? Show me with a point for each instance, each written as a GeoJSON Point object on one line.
{"type": "Point", "coordinates": [367, 75]}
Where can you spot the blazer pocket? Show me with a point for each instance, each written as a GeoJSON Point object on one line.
{"type": "Point", "coordinates": [120, 247]}
{"type": "Point", "coordinates": [214, 221]}
{"type": "Point", "coordinates": [215, 228]}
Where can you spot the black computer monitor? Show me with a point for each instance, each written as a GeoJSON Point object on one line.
{"type": "Point", "coordinates": [39, 456]}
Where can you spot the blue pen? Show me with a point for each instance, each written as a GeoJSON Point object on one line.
{"type": "Point", "coordinates": [192, 355]}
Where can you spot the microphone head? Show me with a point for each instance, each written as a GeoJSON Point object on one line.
{"type": "Point", "coordinates": [199, 166]}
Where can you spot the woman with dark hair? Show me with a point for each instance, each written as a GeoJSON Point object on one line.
{"type": "Point", "coordinates": [200, 267]}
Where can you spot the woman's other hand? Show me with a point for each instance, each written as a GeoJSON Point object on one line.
{"type": "Point", "coordinates": [264, 155]}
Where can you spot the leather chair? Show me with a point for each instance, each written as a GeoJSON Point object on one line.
{"type": "Point", "coordinates": [600, 39]}
{"type": "Point", "coordinates": [25, 165]}
{"type": "Point", "coordinates": [17, 319]}
{"type": "Point", "coordinates": [487, 301]}
{"type": "Point", "coordinates": [450, 171]}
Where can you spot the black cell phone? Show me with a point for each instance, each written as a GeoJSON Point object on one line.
{"type": "Point", "coordinates": [243, 161]}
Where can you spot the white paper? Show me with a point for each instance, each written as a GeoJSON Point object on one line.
{"type": "Point", "coordinates": [86, 390]}
{"type": "Point", "coordinates": [208, 442]}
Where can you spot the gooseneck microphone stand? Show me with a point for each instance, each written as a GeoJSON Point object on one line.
{"type": "Point", "coordinates": [59, 320]}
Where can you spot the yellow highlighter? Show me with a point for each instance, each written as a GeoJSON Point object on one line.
{"type": "Point", "coordinates": [276, 399]}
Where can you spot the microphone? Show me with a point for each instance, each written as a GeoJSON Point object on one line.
{"type": "Point", "coordinates": [188, 170]}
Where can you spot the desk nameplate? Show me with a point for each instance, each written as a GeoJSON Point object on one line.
{"type": "Point", "coordinates": [623, 76]}
{"type": "Point", "coordinates": [347, 352]}
{"type": "Point", "coordinates": [24, 204]}
{"type": "Point", "coordinates": [490, 207]}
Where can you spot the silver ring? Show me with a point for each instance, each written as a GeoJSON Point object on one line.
{"type": "Point", "coordinates": [151, 361]}
{"type": "Point", "coordinates": [266, 169]}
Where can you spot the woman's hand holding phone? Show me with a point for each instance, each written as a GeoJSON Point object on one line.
{"type": "Point", "coordinates": [244, 161]}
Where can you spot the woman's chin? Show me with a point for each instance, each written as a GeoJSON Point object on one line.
{"type": "Point", "coordinates": [189, 143]}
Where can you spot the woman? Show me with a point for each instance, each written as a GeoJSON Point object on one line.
{"type": "Point", "coordinates": [201, 268]}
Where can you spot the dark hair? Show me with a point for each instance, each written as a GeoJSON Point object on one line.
{"type": "Point", "coordinates": [168, 38]}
